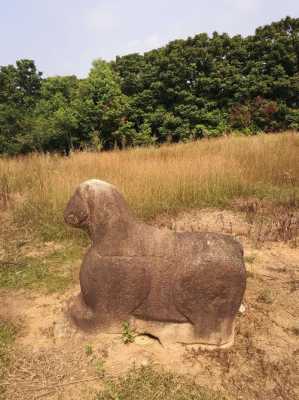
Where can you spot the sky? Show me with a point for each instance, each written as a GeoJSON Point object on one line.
{"type": "Point", "coordinates": [63, 37]}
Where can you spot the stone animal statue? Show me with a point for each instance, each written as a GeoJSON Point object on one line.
{"type": "Point", "coordinates": [181, 287]}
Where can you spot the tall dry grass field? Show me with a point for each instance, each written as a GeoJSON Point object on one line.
{"type": "Point", "coordinates": [35, 188]}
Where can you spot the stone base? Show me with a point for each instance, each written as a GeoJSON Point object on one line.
{"type": "Point", "coordinates": [184, 333]}
{"type": "Point", "coordinates": [166, 332]}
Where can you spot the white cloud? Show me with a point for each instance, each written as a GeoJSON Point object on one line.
{"type": "Point", "coordinates": [152, 41]}
{"type": "Point", "coordinates": [245, 6]}
{"type": "Point", "coordinates": [142, 45]}
{"type": "Point", "coordinates": [103, 17]}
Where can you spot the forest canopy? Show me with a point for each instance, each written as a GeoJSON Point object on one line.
{"type": "Point", "coordinates": [203, 86]}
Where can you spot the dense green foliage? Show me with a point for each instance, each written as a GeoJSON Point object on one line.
{"type": "Point", "coordinates": [200, 87]}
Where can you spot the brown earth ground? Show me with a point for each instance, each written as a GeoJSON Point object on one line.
{"type": "Point", "coordinates": [52, 360]}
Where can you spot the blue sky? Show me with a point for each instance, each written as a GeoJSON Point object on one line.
{"type": "Point", "coordinates": [64, 36]}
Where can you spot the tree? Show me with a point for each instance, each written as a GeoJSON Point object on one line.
{"type": "Point", "coordinates": [19, 91]}
{"type": "Point", "coordinates": [202, 86]}
{"type": "Point", "coordinates": [109, 104]}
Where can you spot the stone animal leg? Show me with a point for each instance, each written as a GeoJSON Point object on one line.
{"type": "Point", "coordinates": [80, 313]}
{"type": "Point", "coordinates": [209, 295]}
{"type": "Point", "coordinates": [113, 287]}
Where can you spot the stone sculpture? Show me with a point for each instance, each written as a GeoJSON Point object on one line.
{"type": "Point", "coordinates": [179, 287]}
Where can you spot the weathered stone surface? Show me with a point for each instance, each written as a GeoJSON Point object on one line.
{"type": "Point", "coordinates": [180, 287]}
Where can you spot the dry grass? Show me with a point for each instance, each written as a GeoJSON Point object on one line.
{"type": "Point", "coordinates": [7, 336]}
{"type": "Point", "coordinates": [33, 194]}
{"type": "Point", "coordinates": [165, 180]}
{"type": "Point", "coordinates": [147, 383]}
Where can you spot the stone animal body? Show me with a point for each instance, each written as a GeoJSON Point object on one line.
{"type": "Point", "coordinates": [187, 286]}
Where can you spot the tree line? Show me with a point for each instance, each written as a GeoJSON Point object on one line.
{"type": "Point", "coordinates": [204, 86]}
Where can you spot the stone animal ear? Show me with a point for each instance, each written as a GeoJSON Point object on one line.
{"type": "Point", "coordinates": [76, 212]}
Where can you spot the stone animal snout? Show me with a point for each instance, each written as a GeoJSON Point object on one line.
{"type": "Point", "coordinates": [94, 206]}
{"type": "Point", "coordinates": [77, 210]}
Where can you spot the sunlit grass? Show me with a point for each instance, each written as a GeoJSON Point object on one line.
{"type": "Point", "coordinates": [53, 272]}
{"type": "Point", "coordinates": [164, 180]}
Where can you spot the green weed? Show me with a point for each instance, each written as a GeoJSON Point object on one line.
{"type": "Point", "coordinates": [100, 367]}
{"type": "Point", "coordinates": [128, 335]}
{"type": "Point", "coordinates": [249, 259]}
{"type": "Point", "coordinates": [88, 349]}
{"type": "Point", "coordinates": [147, 384]}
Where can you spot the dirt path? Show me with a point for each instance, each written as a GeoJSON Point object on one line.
{"type": "Point", "coordinates": [52, 360]}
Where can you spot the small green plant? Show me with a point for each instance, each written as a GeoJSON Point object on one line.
{"type": "Point", "coordinates": [88, 349]}
{"type": "Point", "coordinates": [265, 296]}
{"type": "Point", "coordinates": [128, 335]}
{"type": "Point", "coordinates": [249, 259]}
{"type": "Point", "coordinates": [100, 367]}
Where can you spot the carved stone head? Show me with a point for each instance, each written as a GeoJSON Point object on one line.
{"type": "Point", "coordinates": [94, 206]}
